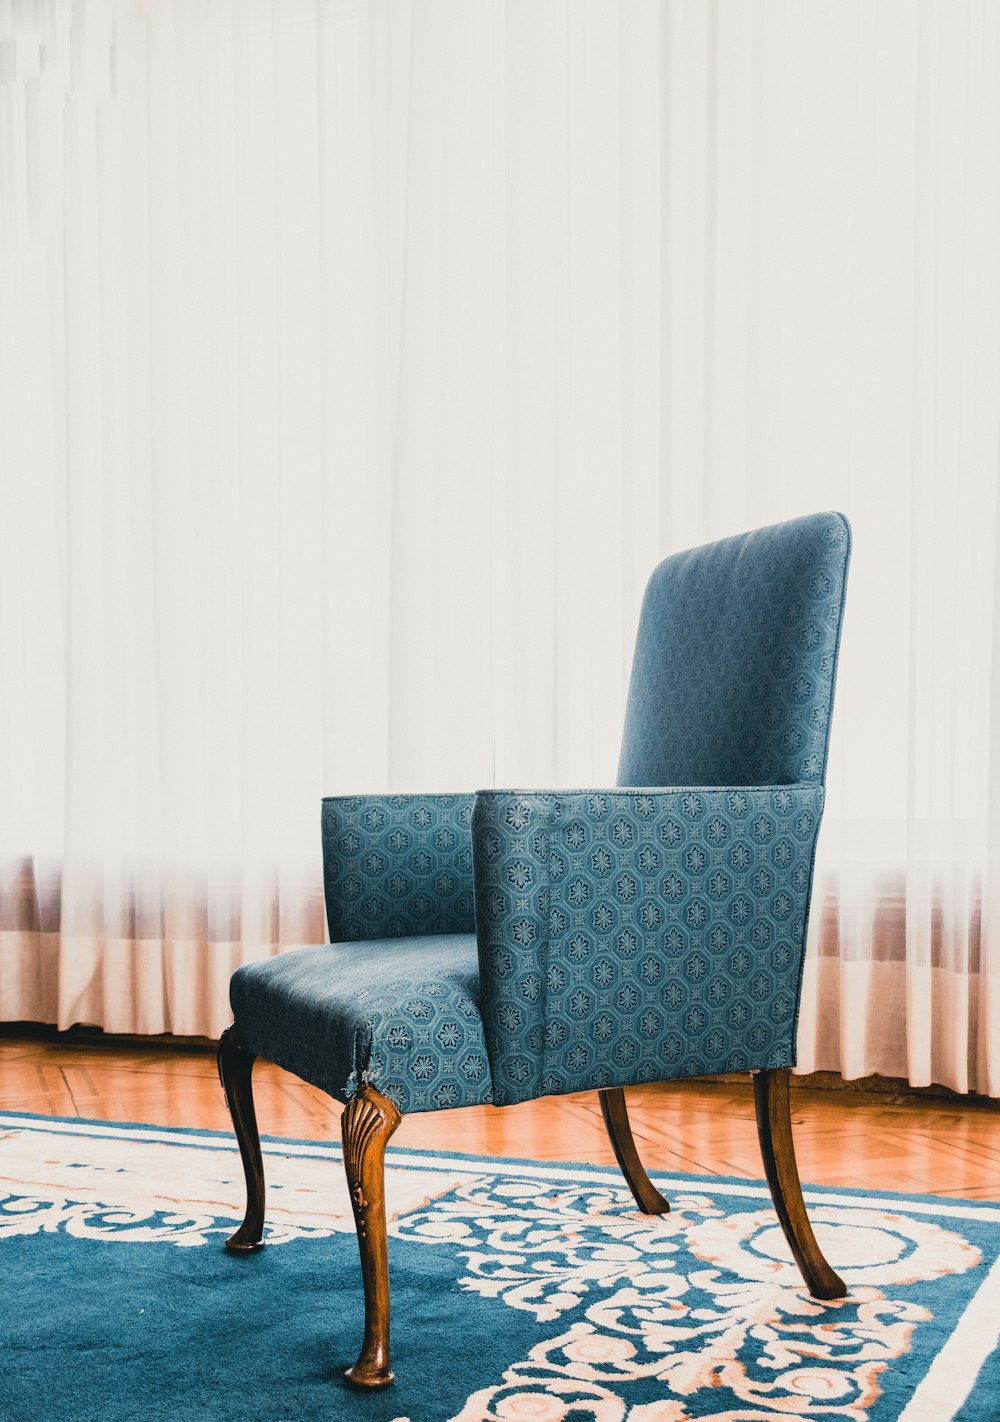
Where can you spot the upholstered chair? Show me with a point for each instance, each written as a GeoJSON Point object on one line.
{"type": "Point", "coordinates": [517, 944]}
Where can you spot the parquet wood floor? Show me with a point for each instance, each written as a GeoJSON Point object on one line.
{"type": "Point", "coordinates": [923, 1144]}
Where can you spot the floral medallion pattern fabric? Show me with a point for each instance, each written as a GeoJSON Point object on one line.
{"type": "Point", "coordinates": [400, 1014]}
{"type": "Point", "coordinates": [395, 866]}
{"type": "Point", "coordinates": [557, 942]}
{"type": "Point", "coordinates": [627, 937]}
{"type": "Point", "coordinates": [736, 658]}
{"type": "Point", "coordinates": [393, 1001]}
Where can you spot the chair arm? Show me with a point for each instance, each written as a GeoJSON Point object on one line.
{"type": "Point", "coordinates": [395, 866]}
{"type": "Point", "coordinates": [637, 935]}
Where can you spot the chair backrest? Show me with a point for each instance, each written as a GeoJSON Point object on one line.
{"type": "Point", "coordinates": [736, 658]}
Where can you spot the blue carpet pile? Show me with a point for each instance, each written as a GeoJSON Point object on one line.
{"type": "Point", "coordinates": [521, 1292]}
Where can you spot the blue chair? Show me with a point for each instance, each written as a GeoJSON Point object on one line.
{"type": "Point", "coordinates": [516, 944]}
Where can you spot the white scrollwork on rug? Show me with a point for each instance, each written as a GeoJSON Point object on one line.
{"type": "Point", "coordinates": [700, 1313]}
{"type": "Point", "coordinates": [870, 1246]}
{"type": "Point", "coordinates": [26, 1214]}
{"type": "Point", "coordinates": [701, 1303]}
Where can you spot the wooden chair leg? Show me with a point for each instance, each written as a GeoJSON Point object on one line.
{"type": "Point", "coordinates": [615, 1114]}
{"type": "Point", "coordinates": [774, 1129]}
{"type": "Point", "coordinates": [235, 1069]}
{"type": "Point", "coordinates": [368, 1121]}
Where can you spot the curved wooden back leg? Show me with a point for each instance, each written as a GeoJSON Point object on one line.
{"type": "Point", "coordinates": [366, 1125]}
{"type": "Point", "coordinates": [235, 1069]}
{"type": "Point", "coordinates": [615, 1114]}
{"type": "Point", "coordinates": [774, 1129]}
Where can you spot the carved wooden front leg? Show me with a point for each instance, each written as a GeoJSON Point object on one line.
{"type": "Point", "coordinates": [774, 1130]}
{"type": "Point", "coordinates": [615, 1114]}
{"type": "Point", "coordinates": [235, 1068]}
{"type": "Point", "coordinates": [367, 1123]}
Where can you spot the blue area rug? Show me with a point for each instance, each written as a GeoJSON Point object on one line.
{"type": "Point", "coordinates": [522, 1292]}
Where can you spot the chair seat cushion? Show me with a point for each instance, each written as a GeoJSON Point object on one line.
{"type": "Point", "coordinates": [400, 1014]}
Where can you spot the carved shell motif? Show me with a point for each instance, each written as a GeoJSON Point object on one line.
{"type": "Point", "coordinates": [367, 1123]}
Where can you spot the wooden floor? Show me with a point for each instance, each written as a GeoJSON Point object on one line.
{"type": "Point", "coordinates": [944, 1147]}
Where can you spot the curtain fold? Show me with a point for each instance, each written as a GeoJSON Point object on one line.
{"type": "Point", "coordinates": [358, 361]}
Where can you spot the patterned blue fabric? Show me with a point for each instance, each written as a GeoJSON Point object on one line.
{"type": "Point", "coordinates": [400, 1014]}
{"type": "Point", "coordinates": [625, 935]}
{"type": "Point", "coordinates": [642, 935]}
{"type": "Point", "coordinates": [735, 660]}
{"type": "Point", "coordinates": [396, 866]}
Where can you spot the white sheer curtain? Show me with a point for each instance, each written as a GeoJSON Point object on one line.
{"type": "Point", "coordinates": [357, 363]}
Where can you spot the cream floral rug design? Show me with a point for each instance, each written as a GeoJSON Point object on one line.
{"type": "Point", "coordinates": [521, 1292]}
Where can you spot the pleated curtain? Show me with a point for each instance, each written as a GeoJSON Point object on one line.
{"type": "Point", "coordinates": [358, 361]}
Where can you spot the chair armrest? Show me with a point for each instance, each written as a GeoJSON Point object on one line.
{"type": "Point", "coordinates": [395, 866]}
{"type": "Point", "coordinates": [640, 935]}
